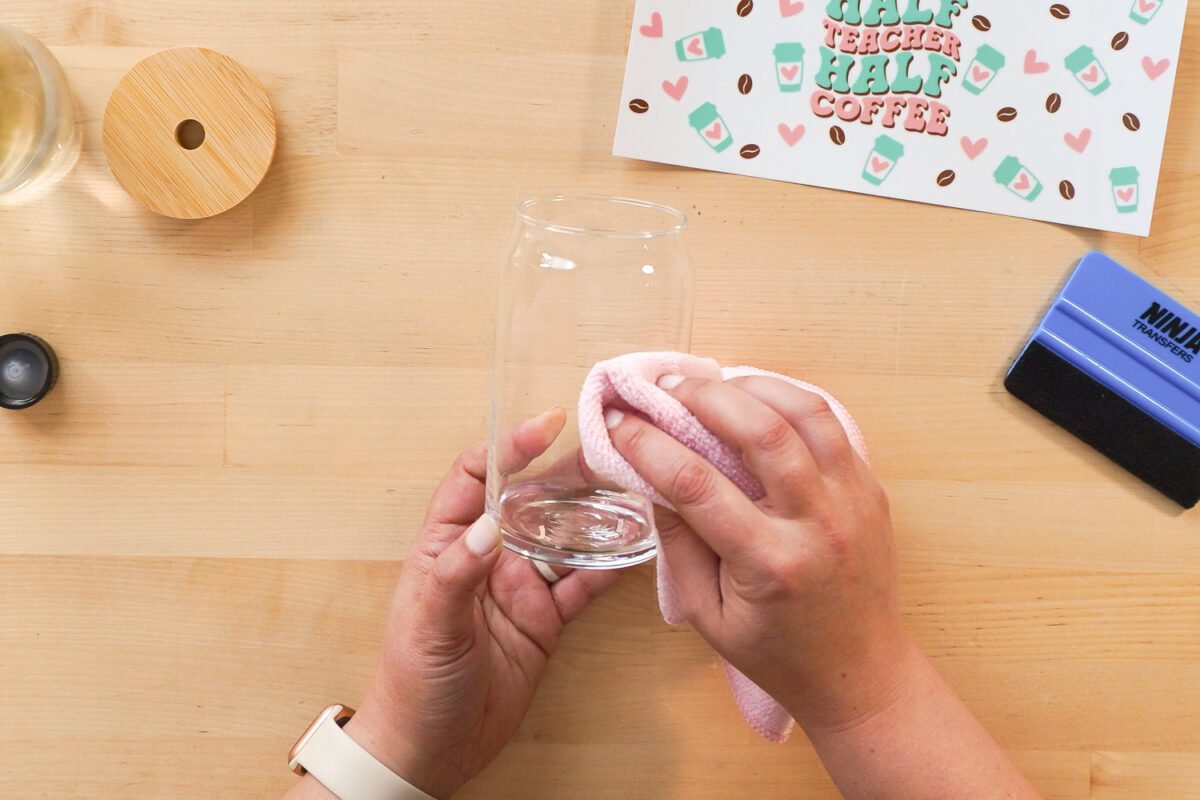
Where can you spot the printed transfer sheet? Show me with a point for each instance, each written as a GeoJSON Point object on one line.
{"type": "Point", "coordinates": [1050, 111]}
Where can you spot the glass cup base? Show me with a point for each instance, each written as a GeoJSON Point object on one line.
{"type": "Point", "coordinates": [580, 527]}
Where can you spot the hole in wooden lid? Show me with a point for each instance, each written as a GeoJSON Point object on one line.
{"type": "Point", "coordinates": [189, 134]}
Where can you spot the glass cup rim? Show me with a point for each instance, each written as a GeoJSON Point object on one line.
{"type": "Point", "coordinates": [525, 211]}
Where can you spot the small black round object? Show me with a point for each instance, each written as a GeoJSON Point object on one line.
{"type": "Point", "coordinates": [28, 369]}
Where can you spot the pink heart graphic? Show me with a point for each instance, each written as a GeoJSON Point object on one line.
{"type": "Point", "coordinates": [694, 47]}
{"type": "Point", "coordinates": [1032, 65]}
{"type": "Point", "coordinates": [677, 88]}
{"type": "Point", "coordinates": [973, 149]}
{"type": "Point", "coordinates": [879, 165]}
{"type": "Point", "coordinates": [1146, 6]}
{"type": "Point", "coordinates": [1022, 182]}
{"type": "Point", "coordinates": [1079, 143]}
{"type": "Point", "coordinates": [790, 8]}
{"type": "Point", "coordinates": [654, 30]}
{"type": "Point", "coordinates": [1125, 194]}
{"type": "Point", "coordinates": [714, 132]}
{"type": "Point", "coordinates": [789, 72]}
{"type": "Point", "coordinates": [979, 74]}
{"type": "Point", "coordinates": [1091, 75]}
{"type": "Point", "coordinates": [791, 135]}
{"type": "Point", "coordinates": [1155, 68]}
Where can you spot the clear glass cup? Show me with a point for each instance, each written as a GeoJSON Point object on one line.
{"type": "Point", "coordinates": [39, 137]}
{"type": "Point", "coordinates": [583, 279]}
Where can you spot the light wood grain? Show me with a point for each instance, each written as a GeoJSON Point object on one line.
{"type": "Point", "coordinates": [189, 132]}
{"type": "Point", "coordinates": [1130, 775]}
{"type": "Point", "coordinates": [202, 523]}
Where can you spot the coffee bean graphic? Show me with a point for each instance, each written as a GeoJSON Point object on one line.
{"type": "Point", "coordinates": [1059, 11]}
{"type": "Point", "coordinates": [1006, 114]}
{"type": "Point", "coordinates": [981, 23]}
{"type": "Point", "coordinates": [1131, 121]}
{"type": "Point", "coordinates": [745, 84]}
{"type": "Point", "coordinates": [1120, 40]}
{"type": "Point", "coordinates": [745, 7]}
{"type": "Point", "coordinates": [749, 150]}
{"type": "Point", "coordinates": [837, 135]}
{"type": "Point", "coordinates": [1053, 102]}
{"type": "Point", "coordinates": [639, 106]}
{"type": "Point", "coordinates": [945, 177]}
{"type": "Point", "coordinates": [1066, 189]}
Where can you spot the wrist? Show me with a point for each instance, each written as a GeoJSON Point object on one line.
{"type": "Point", "coordinates": [377, 730]}
{"type": "Point", "coordinates": [309, 788]}
{"type": "Point", "coordinates": [866, 691]}
{"type": "Point", "coordinates": [921, 742]}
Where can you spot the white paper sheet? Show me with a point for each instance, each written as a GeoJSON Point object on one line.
{"type": "Point", "coordinates": [920, 93]}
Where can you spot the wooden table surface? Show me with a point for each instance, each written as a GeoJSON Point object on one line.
{"type": "Point", "coordinates": [201, 525]}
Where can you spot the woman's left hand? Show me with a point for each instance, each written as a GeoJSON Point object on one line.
{"type": "Point", "coordinates": [471, 628]}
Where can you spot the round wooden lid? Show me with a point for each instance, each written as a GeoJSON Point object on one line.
{"type": "Point", "coordinates": [189, 132]}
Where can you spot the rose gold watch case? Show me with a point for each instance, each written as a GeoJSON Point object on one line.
{"type": "Point", "coordinates": [341, 715]}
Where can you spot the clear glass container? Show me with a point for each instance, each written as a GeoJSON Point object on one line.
{"type": "Point", "coordinates": [583, 279]}
{"type": "Point", "coordinates": [39, 135]}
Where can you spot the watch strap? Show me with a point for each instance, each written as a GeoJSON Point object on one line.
{"type": "Point", "coordinates": [343, 767]}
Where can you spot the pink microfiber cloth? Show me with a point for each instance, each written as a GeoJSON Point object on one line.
{"type": "Point", "coordinates": [632, 379]}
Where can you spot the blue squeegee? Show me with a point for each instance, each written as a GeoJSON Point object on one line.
{"type": "Point", "coordinates": [1117, 363]}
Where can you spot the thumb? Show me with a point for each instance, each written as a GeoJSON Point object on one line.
{"type": "Point", "coordinates": [457, 573]}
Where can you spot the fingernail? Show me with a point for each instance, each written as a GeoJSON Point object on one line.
{"type": "Point", "coordinates": [613, 417]}
{"type": "Point", "coordinates": [483, 536]}
{"type": "Point", "coordinates": [669, 382]}
{"type": "Point", "coordinates": [540, 419]}
{"type": "Point", "coordinates": [555, 416]}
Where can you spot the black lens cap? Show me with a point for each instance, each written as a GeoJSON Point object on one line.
{"type": "Point", "coordinates": [28, 369]}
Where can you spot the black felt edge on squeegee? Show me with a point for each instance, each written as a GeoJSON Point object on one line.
{"type": "Point", "coordinates": [1108, 422]}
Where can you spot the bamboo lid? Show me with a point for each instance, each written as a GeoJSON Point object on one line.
{"type": "Point", "coordinates": [189, 132]}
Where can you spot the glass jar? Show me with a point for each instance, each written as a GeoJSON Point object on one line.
{"type": "Point", "coordinates": [39, 137]}
{"type": "Point", "coordinates": [583, 279]}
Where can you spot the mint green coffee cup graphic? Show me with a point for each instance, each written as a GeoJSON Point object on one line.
{"type": "Point", "coordinates": [882, 159]}
{"type": "Point", "coordinates": [1144, 10]}
{"type": "Point", "coordinates": [789, 66]}
{"type": "Point", "coordinates": [701, 46]}
{"type": "Point", "coordinates": [711, 127]}
{"type": "Point", "coordinates": [1017, 178]}
{"type": "Point", "coordinates": [982, 69]}
{"type": "Point", "coordinates": [1125, 189]}
{"type": "Point", "coordinates": [1087, 70]}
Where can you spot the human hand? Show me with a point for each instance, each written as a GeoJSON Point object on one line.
{"type": "Point", "coordinates": [798, 590]}
{"type": "Point", "coordinates": [469, 633]}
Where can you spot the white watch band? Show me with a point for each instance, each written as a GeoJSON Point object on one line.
{"type": "Point", "coordinates": [343, 767]}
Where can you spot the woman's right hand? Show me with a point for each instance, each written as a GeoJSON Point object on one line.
{"type": "Point", "coordinates": [797, 590]}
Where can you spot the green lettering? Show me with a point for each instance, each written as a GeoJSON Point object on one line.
{"type": "Point", "coordinates": [915, 15]}
{"type": "Point", "coordinates": [881, 12]}
{"type": "Point", "coordinates": [872, 77]}
{"type": "Point", "coordinates": [904, 83]}
{"type": "Point", "coordinates": [834, 71]}
{"type": "Point", "coordinates": [941, 70]}
{"type": "Point", "coordinates": [844, 11]}
{"type": "Point", "coordinates": [949, 10]}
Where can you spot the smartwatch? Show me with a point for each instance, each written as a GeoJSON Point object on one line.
{"type": "Point", "coordinates": [342, 766]}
